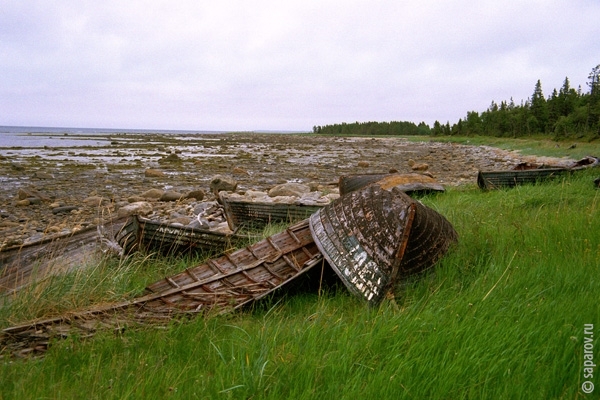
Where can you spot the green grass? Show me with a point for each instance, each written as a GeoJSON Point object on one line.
{"type": "Point", "coordinates": [502, 316]}
{"type": "Point", "coordinates": [540, 146]}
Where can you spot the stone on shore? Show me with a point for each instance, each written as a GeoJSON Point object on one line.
{"type": "Point", "coordinates": [153, 194]}
{"type": "Point", "coordinates": [64, 210]}
{"type": "Point", "coordinates": [195, 194]}
{"type": "Point", "coordinates": [240, 171]}
{"type": "Point", "coordinates": [289, 189]}
{"type": "Point", "coordinates": [221, 183]}
{"type": "Point", "coordinates": [138, 208]}
{"type": "Point", "coordinates": [153, 173]}
{"type": "Point", "coordinates": [171, 196]}
{"type": "Point", "coordinates": [23, 194]}
{"type": "Point", "coordinates": [43, 175]}
{"type": "Point", "coordinates": [171, 158]}
{"type": "Point", "coordinates": [417, 166]}
{"type": "Point", "coordinates": [95, 201]}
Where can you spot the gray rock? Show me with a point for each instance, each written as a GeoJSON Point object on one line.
{"type": "Point", "coordinates": [23, 194]}
{"type": "Point", "coordinates": [43, 175]}
{"type": "Point", "coordinates": [135, 199]}
{"type": "Point", "coordinates": [153, 194]}
{"type": "Point", "coordinates": [171, 158]}
{"type": "Point", "coordinates": [34, 200]}
{"type": "Point", "coordinates": [198, 224]}
{"type": "Point", "coordinates": [203, 207]}
{"type": "Point", "coordinates": [139, 208]}
{"type": "Point", "coordinates": [153, 173]}
{"type": "Point", "coordinates": [64, 210]}
{"type": "Point", "coordinates": [95, 201]}
{"type": "Point", "coordinates": [171, 196]}
{"type": "Point", "coordinates": [195, 194]}
{"type": "Point", "coordinates": [181, 220]}
{"type": "Point", "coordinates": [289, 189]}
{"type": "Point", "coordinates": [222, 183]}
{"type": "Point", "coordinates": [16, 167]}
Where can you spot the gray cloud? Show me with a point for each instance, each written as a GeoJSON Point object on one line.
{"type": "Point", "coordinates": [282, 65]}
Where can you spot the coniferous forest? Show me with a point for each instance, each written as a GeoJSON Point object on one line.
{"type": "Point", "coordinates": [567, 113]}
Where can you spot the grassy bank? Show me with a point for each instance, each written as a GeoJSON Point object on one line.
{"type": "Point", "coordinates": [502, 317]}
{"type": "Point", "coordinates": [541, 146]}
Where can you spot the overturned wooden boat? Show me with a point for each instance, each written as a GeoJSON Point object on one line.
{"type": "Point", "coordinates": [374, 237]}
{"type": "Point", "coordinates": [217, 286]}
{"type": "Point", "coordinates": [258, 214]}
{"type": "Point", "coordinates": [146, 235]}
{"type": "Point", "coordinates": [409, 183]}
{"type": "Point", "coordinates": [530, 173]}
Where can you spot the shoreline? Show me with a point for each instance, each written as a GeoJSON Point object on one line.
{"type": "Point", "coordinates": [97, 181]}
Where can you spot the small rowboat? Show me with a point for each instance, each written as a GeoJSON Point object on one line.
{"type": "Point", "coordinates": [374, 237]}
{"type": "Point", "coordinates": [499, 179]}
{"type": "Point", "coordinates": [528, 173]}
{"type": "Point", "coordinates": [25, 264]}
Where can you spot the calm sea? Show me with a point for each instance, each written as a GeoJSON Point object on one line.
{"type": "Point", "coordinates": [35, 136]}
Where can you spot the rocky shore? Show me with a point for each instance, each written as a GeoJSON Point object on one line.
{"type": "Point", "coordinates": [175, 178]}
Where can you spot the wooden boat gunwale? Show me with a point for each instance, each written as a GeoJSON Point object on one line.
{"type": "Point", "coordinates": [145, 234]}
{"type": "Point", "coordinates": [257, 214]}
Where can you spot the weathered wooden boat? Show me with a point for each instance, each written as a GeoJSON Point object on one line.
{"type": "Point", "coordinates": [408, 183]}
{"type": "Point", "coordinates": [530, 173]}
{"type": "Point", "coordinates": [507, 179]}
{"type": "Point", "coordinates": [217, 286]}
{"type": "Point", "coordinates": [258, 214]}
{"type": "Point", "coordinates": [22, 265]}
{"type": "Point", "coordinates": [374, 237]}
{"type": "Point", "coordinates": [146, 235]}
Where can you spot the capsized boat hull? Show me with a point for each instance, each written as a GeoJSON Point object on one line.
{"type": "Point", "coordinates": [374, 237]}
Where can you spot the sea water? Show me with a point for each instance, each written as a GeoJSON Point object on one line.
{"type": "Point", "coordinates": [33, 136]}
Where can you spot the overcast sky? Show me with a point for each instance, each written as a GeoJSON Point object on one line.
{"type": "Point", "coordinates": [283, 64]}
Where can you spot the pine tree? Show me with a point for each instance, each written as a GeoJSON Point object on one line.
{"type": "Point", "coordinates": [539, 110]}
{"type": "Point", "coordinates": [593, 120]}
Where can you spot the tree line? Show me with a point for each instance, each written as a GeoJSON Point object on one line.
{"type": "Point", "coordinates": [398, 128]}
{"type": "Point", "coordinates": [566, 113]}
